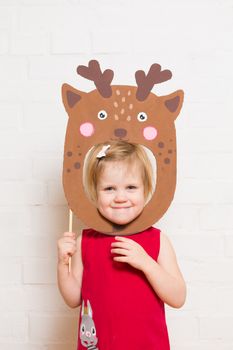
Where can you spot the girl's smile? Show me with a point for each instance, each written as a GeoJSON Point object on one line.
{"type": "Point", "coordinates": [120, 192]}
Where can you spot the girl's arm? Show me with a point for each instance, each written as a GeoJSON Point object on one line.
{"type": "Point", "coordinates": [164, 275]}
{"type": "Point", "coordinates": [69, 283]}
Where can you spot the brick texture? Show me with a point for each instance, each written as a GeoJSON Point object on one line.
{"type": "Point", "coordinates": [41, 44]}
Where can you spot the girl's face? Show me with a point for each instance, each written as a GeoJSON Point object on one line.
{"type": "Point", "coordinates": [120, 192]}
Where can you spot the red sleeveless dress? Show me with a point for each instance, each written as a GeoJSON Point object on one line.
{"type": "Point", "coordinates": [120, 310]}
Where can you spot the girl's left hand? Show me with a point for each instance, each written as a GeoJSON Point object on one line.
{"type": "Point", "coordinates": [130, 252]}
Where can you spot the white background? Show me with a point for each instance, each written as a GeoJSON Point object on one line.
{"type": "Point", "coordinates": [41, 44]}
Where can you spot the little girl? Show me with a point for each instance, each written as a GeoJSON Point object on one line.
{"type": "Point", "coordinates": [122, 282]}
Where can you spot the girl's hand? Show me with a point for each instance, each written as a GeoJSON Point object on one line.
{"type": "Point", "coordinates": [130, 252]}
{"type": "Point", "coordinates": [66, 247]}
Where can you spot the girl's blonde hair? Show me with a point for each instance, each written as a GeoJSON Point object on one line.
{"type": "Point", "coordinates": [118, 151]}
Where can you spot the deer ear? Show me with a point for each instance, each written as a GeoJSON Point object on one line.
{"type": "Point", "coordinates": [173, 103]}
{"type": "Point", "coordinates": [71, 96]}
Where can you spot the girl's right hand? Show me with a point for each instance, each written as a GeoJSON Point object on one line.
{"type": "Point", "coordinates": [66, 247]}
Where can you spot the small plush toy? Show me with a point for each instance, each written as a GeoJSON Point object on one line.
{"type": "Point", "coordinates": [120, 112]}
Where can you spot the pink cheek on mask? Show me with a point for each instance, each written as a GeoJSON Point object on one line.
{"type": "Point", "coordinates": [87, 129]}
{"type": "Point", "coordinates": [150, 133]}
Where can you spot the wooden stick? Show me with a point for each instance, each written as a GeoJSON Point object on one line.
{"type": "Point", "coordinates": [70, 230]}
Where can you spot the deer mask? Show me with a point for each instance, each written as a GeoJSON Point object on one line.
{"type": "Point", "coordinates": [119, 112]}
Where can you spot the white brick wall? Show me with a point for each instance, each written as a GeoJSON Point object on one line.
{"type": "Point", "coordinates": [41, 44]}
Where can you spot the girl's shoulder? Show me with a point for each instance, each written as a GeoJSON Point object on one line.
{"type": "Point", "coordinates": [167, 253]}
{"type": "Point", "coordinates": [165, 243]}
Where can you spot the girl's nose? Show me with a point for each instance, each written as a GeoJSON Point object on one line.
{"type": "Point", "coordinates": [120, 196]}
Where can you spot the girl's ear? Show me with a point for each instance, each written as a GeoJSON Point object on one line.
{"type": "Point", "coordinates": [71, 96]}
{"type": "Point", "coordinates": [173, 103]}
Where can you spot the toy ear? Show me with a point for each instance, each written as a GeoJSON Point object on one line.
{"type": "Point", "coordinates": [173, 103]}
{"type": "Point", "coordinates": [71, 96]}
{"type": "Point", "coordinates": [82, 310]}
{"type": "Point", "coordinates": [90, 313]}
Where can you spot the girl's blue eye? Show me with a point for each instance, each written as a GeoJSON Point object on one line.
{"type": "Point", "coordinates": [102, 115]}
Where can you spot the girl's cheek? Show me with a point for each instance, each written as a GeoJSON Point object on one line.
{"type": "Point", "coordinates": [150, 133]}
{"type": "Point", "coordinates": [87, 129]}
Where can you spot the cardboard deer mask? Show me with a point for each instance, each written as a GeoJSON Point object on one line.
{"type": "Point", "coordinates": [120, 112]}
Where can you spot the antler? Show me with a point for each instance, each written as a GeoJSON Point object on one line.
{"type": "Point", "coordinates": [146, 82]}
{"type": "Point", "coordinates": [101, 80]}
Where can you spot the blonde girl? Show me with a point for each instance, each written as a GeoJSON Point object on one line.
{"type": "Point", "coordinates": [122, 282]}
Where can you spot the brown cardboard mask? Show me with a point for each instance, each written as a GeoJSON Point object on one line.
{"type": "Point", "coordinates": [120, 112]}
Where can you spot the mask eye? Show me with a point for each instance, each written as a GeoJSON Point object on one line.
{"type": "Point", "coordinates": [142, 116]}
{"type": "Point", "coordinates": [102, 115]}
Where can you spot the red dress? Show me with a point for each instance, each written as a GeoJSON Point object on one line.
{"type": "Point", "coordinates": [120, 310]}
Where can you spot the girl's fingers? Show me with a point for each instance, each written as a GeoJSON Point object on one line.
{"type": "Point", "coordinates": [68, 238]}
{"type": "Point", "coordinates": [130, 242]}
{"type": "Point", "coordinates": [120, 259]}
{"type": "Point", "coordinates": [69, 234]}
{"type": "Point", "coordinates": [66, 253]}
{"type": "Point", "coordinates": [70, 246]}
{"type": "Point", "coordinates": [120, 251]}
{"type": "Point", "coordinates": [121, 245]}
{"type": "Point", "coordinates": [70, 241]}
{"type": "Point", "coordinates": [67, 247]}
{"type": "Point", "coordinates": [123, 239]}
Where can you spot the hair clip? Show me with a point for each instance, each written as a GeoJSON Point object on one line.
{"type": "Point", "coordinates": [102, 153]}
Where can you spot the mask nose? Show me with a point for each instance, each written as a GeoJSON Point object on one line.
{"type": "Point", "coordinates": [120, 132]}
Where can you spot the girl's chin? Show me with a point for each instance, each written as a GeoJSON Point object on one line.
{"type": "Point", "coordinates": [119, 221]}
{"type": "Point", "coordinates": [122, 221]}
{"type": "Point", "coordinates": [120, 218]}
{"type": "Point", "coordinates": [116, 222]}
